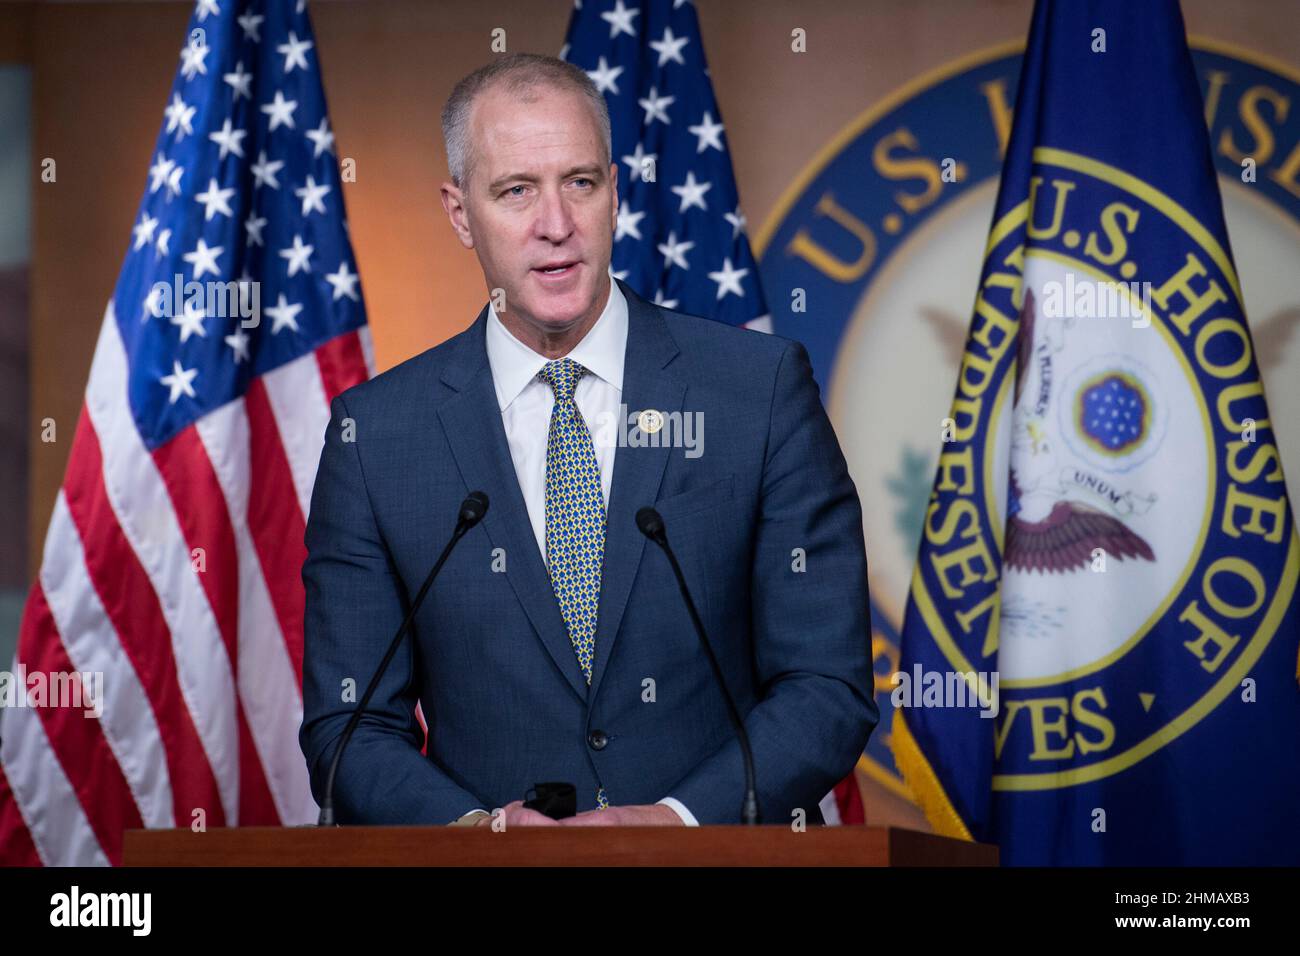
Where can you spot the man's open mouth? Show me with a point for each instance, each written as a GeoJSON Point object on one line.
{"type": "Point", "coordinates": [556, 268]}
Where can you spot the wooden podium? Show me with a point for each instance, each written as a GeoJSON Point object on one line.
{"type": "Point", "coordinates": [547, 846]}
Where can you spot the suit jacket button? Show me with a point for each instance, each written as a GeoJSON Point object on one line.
{"type": "Point", "coordinates": [597, 739]}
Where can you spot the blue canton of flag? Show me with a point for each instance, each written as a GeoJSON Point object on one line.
{"type": "Point", "coordinates": [680, 238]}
{"type": "Point", "coordinates": [244, 188]}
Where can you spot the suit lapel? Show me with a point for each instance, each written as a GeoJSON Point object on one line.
{"type": "Point", "coordinates": [638, 472]}
{"type": "Point", "coordinates": [472, 423]}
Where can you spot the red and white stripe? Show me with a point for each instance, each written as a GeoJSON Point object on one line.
{"type": "Point", "coordinates": [202, 692]}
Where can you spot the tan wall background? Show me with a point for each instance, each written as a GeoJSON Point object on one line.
{"type": "Point", "coordinates": [102, 71]}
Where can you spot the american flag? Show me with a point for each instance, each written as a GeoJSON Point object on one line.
{"type": "Point", "coordinates": [172, 564]}
{"type": "Point", "coordinates": [680, 238]}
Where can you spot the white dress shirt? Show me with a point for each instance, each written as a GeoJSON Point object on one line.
{"type": "Point", "coordinates": [526, 403]}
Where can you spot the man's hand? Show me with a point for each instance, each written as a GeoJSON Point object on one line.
{"type": "Point", "coordinates": [654, 815]}
{"type": "Point", "coordinates": [517, 815]}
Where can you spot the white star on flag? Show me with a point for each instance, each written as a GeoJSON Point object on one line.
{"type": "Point", "coordinates": [264, 171]}
{"type": "Point", "coordinates": [190, 322]}
{"type": "Point", "coordinates": [179, 381]}
{"type": "Point", "coordinates": [283, 315]}
{"type": "Point", "coordinates": [180, 117]}
{"type": "Point", "coordinates": [253, 226]}
{"type": "Point", "coordinates": [238, 341]}
{"type": "Point", "coordinates": [666, 303]}
{"type": "Point", "coordinates": [192, 57]}
{"type": "Point", "coordinates": [344, 282]}
{"type": "Point", "coordinates": [692, 193]}
{"type": "Point", "coordinates": [620, 19]}
{"type": "Point", "coordinates": [159, 171]}
{"type": "Point", "coordinates": [656, 106]}
{"type": "Point", "coordinates": [249, 23]}
{"type": "Point", "coordinates": [709, 133]}
{"type": "Point", "coordinates": [670, 47]}
{"type": "Point", "coordinates": [299, 256]}
{"type": "Point", "coordinates": [229, 139]}
{"type": "Point", "coordinates": [321, 137]}
{"type": "Point", "coordinates": [737, 221]}
{"type": "Point", "coordinates": [605, 77]}
{"type": "Point", "coordinates": [640, 162]}
{"type": "Point", "coordinates": [675, 252]}
{"type": "Point", "coordinates": [240, 82]}
{"type": "Point", "coordinates": [153, 304]}
{"type": "Point", "coordinates": [144, 231]}
{"type": "Point", "coordinates": [312, 196]}
{"type": "Point", "coordinates": [215, 200]}
{"type": "Point", "coordinates": [294, 52]}
{"type": "Point", "coordinates": [281, 111]}
{"type": "Point", "coordinates": [728, 279]}
{"type": "Point", "coordinates": [204, 259]}
{"type": "Point", "coordinates": [174, 182]}
{"type": "Point", "coordinates": [628, 222]}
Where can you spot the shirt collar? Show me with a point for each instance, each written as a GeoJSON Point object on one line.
{"type": "Point", "coordinates": [601, 351]}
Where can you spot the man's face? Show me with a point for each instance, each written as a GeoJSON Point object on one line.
{"type": "Point", "coordinates": [539, 195]}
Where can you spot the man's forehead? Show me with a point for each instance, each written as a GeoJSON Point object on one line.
{"type": "Point", "coordinates": [536, 116]}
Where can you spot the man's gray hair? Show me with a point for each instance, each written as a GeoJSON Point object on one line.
{"type": "Point", "coordinates": [521, 74]}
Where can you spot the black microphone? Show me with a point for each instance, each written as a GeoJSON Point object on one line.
{"type": "Point", "coordinates": [651, 524]}
{"type": "Point", "coordinates": [472, 510]}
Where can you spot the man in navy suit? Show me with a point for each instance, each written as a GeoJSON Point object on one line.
{"type": "Point", "coordinates": [554, 645]}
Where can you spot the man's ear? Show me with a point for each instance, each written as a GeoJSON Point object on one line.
{"type": "Point", "coordinates": [453, 202]}
{"type": "Point", "coordinates": [613, 182]}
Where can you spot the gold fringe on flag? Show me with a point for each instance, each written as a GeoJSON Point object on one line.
{"type": "Point", "coordinates": [920, 777]}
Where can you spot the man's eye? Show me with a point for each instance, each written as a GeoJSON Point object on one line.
{"type": "Point", "coordinates": [511, 191]}
{"type": "Point", "coordinates": [584, 180]}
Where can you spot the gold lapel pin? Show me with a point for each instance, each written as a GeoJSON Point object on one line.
{"type": "Point", "coordinates": [650, 421]}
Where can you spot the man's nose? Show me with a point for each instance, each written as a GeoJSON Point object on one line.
{"type": "Point", "coordinates": [553, 219]}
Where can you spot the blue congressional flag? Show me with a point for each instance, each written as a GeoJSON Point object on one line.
{"type": "Point", "coordinates": [1099, 655]}
{"type": "Point", "coordinates": [680, 238]}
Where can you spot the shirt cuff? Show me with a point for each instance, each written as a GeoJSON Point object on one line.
{"type": "Point", "coordinates": [679, 808]}
{"type": "Point", "coordinates": [469, 819]}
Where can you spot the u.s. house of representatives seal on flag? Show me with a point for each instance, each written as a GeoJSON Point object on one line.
{"type": "Point", "coordinates": [1108, 554]}
{"type": "Point", "coordinates": [881, 237]}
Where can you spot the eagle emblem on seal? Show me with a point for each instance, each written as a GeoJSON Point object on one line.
{"type": "Point", "coordinates": [1064, 538]}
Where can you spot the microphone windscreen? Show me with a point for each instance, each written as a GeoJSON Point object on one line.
{"type": "Point", "coordinates": [650, 523]}
{"type": "Point", "coordinates": [473, 508]}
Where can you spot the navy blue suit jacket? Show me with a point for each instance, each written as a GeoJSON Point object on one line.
{"type": "Point", "coordinates": [490, 660]}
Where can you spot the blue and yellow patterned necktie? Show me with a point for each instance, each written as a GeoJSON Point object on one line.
{"type": "Point", "coordinates": [575, 516]}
